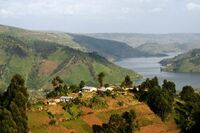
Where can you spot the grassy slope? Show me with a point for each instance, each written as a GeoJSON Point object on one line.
{"type": "Point", "coordinates": [188, 62]}
{"type": "Point", "coordinates": [146, 120]}
{"type": "Point", "coordinates": [39, 61]}
{"type": "Point", "coordinates": [112, 50]}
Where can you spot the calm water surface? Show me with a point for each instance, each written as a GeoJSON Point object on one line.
{"type": "Point", "coordinates": [150, 67]}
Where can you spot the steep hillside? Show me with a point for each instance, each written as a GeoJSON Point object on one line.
{"type": "Point", "coordinates": [111, 50]}
{"type": "Point", "coordinates": [41, 60]}
{"type": "Point", "coordinates": [108, 48]}
{"type": "Point", "coordinates": [187, 62]}
{"type": "Point", "coordinates": [162, 42]}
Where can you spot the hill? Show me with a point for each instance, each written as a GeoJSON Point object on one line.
{"type": "Point", "coordinates": [187, 62]}
{"type": "Point", "coordinates": [146, 120]}
{"type": "Point", "coordinates": [112, 50]}
{"type": "Point", "coordinates": [39, 58]}
{"type": "Point", "coordinates": [161, 42]}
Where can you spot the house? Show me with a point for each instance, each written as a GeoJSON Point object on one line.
{"type": "Point", "coordinates": [89, 89]}
{"type": "Point", "coordinates": [65, 99]}
{"type": "Point", "coordinates": [56, 99]}
{"type": "Point", "coordinates": [51, 102]}
{"type": "Point", "coordinates": [110, 88]}
{"type": "Point", "coordinates": [102, 89]}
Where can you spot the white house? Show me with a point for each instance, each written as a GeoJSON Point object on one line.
{"type": "Point", "coordinates": [110, 88]}
{"type": "Point", "coordinates": [103, 89]}
{"type": "Point", "coordinates": [89, 89]}
{"type": "Point", "coordinates": [65, 98]}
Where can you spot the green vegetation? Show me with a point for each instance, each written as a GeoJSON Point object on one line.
{"type": "Point", "coordinates": [13, 106]}
{"type": "Point", "coordinates": [187, 62]}
{"type": "Point", "coordinates": [127, 83]}
{"type": "Point", "coordinates": [112, 50]}
{"type": "Point", "coordinates": [41, 56]}
{"type": "Point", "coordinates": [100, 78]}
{"type": "Point", "coordinates": [79, 125]}
{"type": "Point", "coordinates": [160, 100]}
{"type": "Point", "coordinates": [117, 124]}
{"type": "Point", "coordinates": [187, 112]}
{"type": "Point", "coordinates": [96, 102]}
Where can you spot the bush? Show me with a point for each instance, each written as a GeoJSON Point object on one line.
{"type": "Point", "coordinates": [117, 124]}
{"type": "Point", "coordinates": [74, 111]}
{"type": "Point", "coordinates": [52, 122]}
{"type": "Point", "coordinates": [120, 103]}
{"type": "Point", "coordinates": [97, 103]}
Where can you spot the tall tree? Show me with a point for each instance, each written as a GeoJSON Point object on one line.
{"type": "Point", "coordinates": [187, 93]}
{"type": "Point", "coordinates": [100, 78]}
{"type": "Point", "coordinates": [81, 84]}
{"type": "Point", "coordinates": [169, 86]}
{"type": "Point", "coordinates": [127, 82]}
{"type": "Point", "coordinates": [15, 100]}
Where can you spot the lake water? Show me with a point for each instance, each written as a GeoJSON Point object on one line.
{"type": "Point", "coordinates": [150, 67]}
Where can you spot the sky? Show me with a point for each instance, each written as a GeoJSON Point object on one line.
{"type": "Point", "coordinates": [103, 16]}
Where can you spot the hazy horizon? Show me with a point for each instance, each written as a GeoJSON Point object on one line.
{"type": "Point", "coordinates": [103, 16]}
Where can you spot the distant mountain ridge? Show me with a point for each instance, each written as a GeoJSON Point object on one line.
{"type": "Point", "coordinates": [148, 43]}
{"type": "Point", "coordinates": [187, 62]}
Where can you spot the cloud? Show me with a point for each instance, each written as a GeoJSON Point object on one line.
{"type": "Point", "coordinates": [11, 8]}
{"type": "Point", "coordinates": [193, 6]}
{"type": "Point", "coordinates": [156, 10]}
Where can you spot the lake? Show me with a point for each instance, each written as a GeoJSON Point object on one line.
{"type": "Point", "coordinates": [150, 67]}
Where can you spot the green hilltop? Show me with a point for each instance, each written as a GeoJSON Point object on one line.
{"type": "Point", "coordinates": [187, 62]}
{"type": "Point", "coordinates": [40, 56]}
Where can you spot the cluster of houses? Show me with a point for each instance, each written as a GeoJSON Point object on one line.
{"type": "Point", "coordinates": [64, 99]}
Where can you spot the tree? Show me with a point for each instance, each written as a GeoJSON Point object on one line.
{"type": "Point", "coordinates": [187, 93]}
{"type": "Point", "coordinates": [57, 81]}
{"type": "Point", "coordinates": [100, 78]}
{"type": "Point", "coordinates": [169, 86]}
{"type": "Point", "coordinates": [158, 101]}
{"type": "Point", "coordinates": [15, 100]}
{"type": "Point", "coordinates": [127, 82]}
{"type": "Point", "coordinates": [117, 124]}
{"type": "Point", "coordinates": [81, 84]}
{"type": "Point", "coordinates": [7, 124]}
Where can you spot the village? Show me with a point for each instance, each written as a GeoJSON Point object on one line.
{"type": "Point", "coordinates": [88, 90]}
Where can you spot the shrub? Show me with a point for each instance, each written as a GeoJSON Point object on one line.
{"type": "Point", "coordinates": [97, 103]}
{"type": "Point", "coordinates": [52, 122]}
{"type": "Point", "coordinates": [120, 103]}
{"type": "Point", "coordinates": [117, 124]}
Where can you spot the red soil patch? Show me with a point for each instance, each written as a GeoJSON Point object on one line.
{"type": "Point", "coordinates": [58, 129]}
{"type": "Point", "coordinates": [58, 109]}
{"type": "Point", "coordinates": [47, 67]}
{"type": "Point", "coordinates": [86, 110]}
{"type": "Point", "coordinates": [92, 119]}
{"type": "Point", "coordinates": [152, 129]}
{"type": "Point", "coordinates": [143, 109]}
{"type": "Point", "coordinates": [89, 117]}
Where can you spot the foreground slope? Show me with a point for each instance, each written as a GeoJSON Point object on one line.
{"type": "Point", "coordinates": [41, 60]}
{"type": "Point", "coordinates": [146, 120]}
{"type": "Point", "coordinates": [187, 62]}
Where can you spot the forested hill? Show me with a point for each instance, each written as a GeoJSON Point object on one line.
{"type": "Point", "coordinates": [112, 50]}
{"type": "Point", "coordinates": [109, 48]}
{"type": "Point", "coordinates": [187, 62]}
{"type": "Point", "coordinates": [39, 58]}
